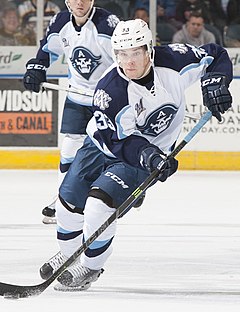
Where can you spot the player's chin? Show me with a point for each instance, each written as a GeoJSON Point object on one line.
{"type": "Point", "coordinates": [80, 12]}
{"type": "Point", "coordinates": [131, 73]}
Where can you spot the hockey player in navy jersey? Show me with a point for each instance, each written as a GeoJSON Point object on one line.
{"type": "Point", "coordinates": [83, 34]}
{"type": "Point", "coordinates": [139, 109]}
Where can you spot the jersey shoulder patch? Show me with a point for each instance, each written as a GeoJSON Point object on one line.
{"type": "Point", "coordinates": [108, 88]}
{"type": "Point", "coordinates": [104, 21]}
{"type": "Point", "coordinates": [58, 21]}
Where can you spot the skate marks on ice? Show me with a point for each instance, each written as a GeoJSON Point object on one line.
{"type": "Point", "coordinates": [149, 261]}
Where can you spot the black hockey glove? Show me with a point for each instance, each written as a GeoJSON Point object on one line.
{"type": "Point", "coordinates": [216, 96]}
{"type": "Point", "coordinates": [151, 157]}
{"type": "Point", "coordinates": [35, 75]}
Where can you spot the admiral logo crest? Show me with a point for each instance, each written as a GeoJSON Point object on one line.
{"type": "Point", "coordinates": [159, 120]}
{"type": "Point", "coordinates": [84, 61]}
{"type": "Point", "coordinates": [102, 99]}
{"type": "Point", "coordinates": [179, 47]}
{"type": "Point", "coordinates": [112, 20]}
{"type": "Point", "coordinates": [182, 49]}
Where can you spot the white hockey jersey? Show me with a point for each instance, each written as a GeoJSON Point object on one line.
{"type": "Point", "coordinates": [131, 114]}
{"type": "Point", "coordinates": [87, 49]}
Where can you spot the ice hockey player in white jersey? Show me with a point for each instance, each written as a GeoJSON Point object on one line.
{"type": "Point", "coordinates": [138, 108]}
{"type": "Point", "coordinates": [82, 33]}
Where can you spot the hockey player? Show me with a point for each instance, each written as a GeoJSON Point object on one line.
{"type": "Point", "coordinates": [138, 114]}
{"type": "Point", "coordinates": [83, 34]}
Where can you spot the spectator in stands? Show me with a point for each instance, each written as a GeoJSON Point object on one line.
{"type": "Point", "coordinates": [28, 14]}
{"type": "Point", "coordinates": [169, 8]}
{"type": "Point", "coordinates": [162, 17]}
{"type": "Point", "coordinates": [193, 32]}
{"type": "Point", "coordinates": [232, 36]}
{"type": "Point", "coordinates": [185, 7]}
{"type": "Point", "coordinates": [141, 13]}
{"type": "Point", "coordinates": [224, 4]}
{"type": "Point", "coordinates": [10, 33]}
{"type": "Point", "coordinates": [218, 15]}
{"type": "Point", "coordinates": [233, 10]}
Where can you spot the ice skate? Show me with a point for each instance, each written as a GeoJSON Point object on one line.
{"type": "Point", "coordinates": [77, 278]}
{"type": "Point", "coordinates": [52, 265]}
{"type": "Point", "coordinates": [49, 213]}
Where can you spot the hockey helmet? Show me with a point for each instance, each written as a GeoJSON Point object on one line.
{"type": "Point", "coordinates": [132, 34]}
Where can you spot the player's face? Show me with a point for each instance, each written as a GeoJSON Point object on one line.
{"type": "Point", "coordinates": [134, 62]}
{"type": "Point", "coordinates": [79, 7]}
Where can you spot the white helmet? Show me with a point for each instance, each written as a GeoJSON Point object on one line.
{"type": "Point", "coordinates": [132, 34]}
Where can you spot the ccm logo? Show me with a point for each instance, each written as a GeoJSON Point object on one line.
{"type": "Point", "coordinates": [115, 178]}
{"type": "Point", "coordinates": [36, 66]}
{"type": "Point", "coordinates": [210, 81]}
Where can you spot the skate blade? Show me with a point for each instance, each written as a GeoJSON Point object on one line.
{"type": "Point", "coordinates": [49, 220]}
{"type": "Point", "coordinates": [60, 287]}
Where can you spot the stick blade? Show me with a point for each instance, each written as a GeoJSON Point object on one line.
{"type": "Point", "coordinates": [10, 291]}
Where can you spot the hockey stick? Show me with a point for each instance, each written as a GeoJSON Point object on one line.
{"type": "Point", "coordinates": [53, 86]}
{"type": "Point", "coordinates": [17, 291]}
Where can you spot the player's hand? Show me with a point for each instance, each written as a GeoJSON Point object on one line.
{"type": "Point", "coordinates": [35, 75]}
{"type": "Point", "coordinates": [216, 96]}
{"type": "Point", "coordinates": [151, 157]}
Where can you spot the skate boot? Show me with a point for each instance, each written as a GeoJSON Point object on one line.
{"type": "Point", "coordinates": [49, 213]}
{"type": "Point", "coordinates": [52, 265]}
{"type": "Point", "coordinates": [77, 278]}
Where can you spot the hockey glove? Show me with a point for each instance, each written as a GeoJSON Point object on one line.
{"type": "Point", "coordinates": [35, 75]}
{"type": "Point", "coordinates": [216, 96]}
{"type": "Point", "coordinates": [151, 157]}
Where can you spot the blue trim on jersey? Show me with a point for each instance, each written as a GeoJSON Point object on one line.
{"type": "Point", "coordinates": [120, 133]}
{"type": "Point", "coordinates": [53, 56]}
{"type": "Point", "coordinates": [104, 36]}
{"type": "Point", "coordinates": [206, 60]}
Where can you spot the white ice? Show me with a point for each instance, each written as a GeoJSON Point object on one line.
{"type": "Point", "coordinates": [179, 252]}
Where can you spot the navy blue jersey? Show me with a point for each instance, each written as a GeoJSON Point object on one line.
{"type": "Point", "coordinates": [130, 114]}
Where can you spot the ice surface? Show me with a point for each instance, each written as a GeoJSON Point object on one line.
{"type": "Point", "coordinates": [179, 252]}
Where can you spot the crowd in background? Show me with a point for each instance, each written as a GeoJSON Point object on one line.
{"type": "Point", "coordinates": [184, 21]}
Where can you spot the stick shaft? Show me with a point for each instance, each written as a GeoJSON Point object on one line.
{"type": "Point", "coordinates": [53, 86]}
{"type": "Point", "coordinates": [27, 291]}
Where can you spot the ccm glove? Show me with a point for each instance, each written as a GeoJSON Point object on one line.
{"type": "Point", "coordinates": [35, 75]}
{"type": "Point", "coordinates": [216, 96]}
{"type": "Point", "coordinates": [151, 157]}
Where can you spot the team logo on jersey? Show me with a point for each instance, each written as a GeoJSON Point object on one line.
{"type": "Point", "coordinates": [65, 42]}
{"type": "Point", "coordinates": [102, 99]}
{"type": "Point", "coordinates": [139, 107]}
{"type": "Point", "coordinates": [179, 47]}
{"type": "Point", "coordinates": [112, 20]}
{"type": "Point", "coordinates": [199, 52]}
{"type": "Point", "coordinates": [84, 61]}
{"type": "Point", "coordinates": [183, 48]}
{"type": "Point", "coordinates": [159, 120]}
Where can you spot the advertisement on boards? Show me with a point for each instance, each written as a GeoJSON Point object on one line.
{"type": "Point", "coordinates": [27, 118]}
